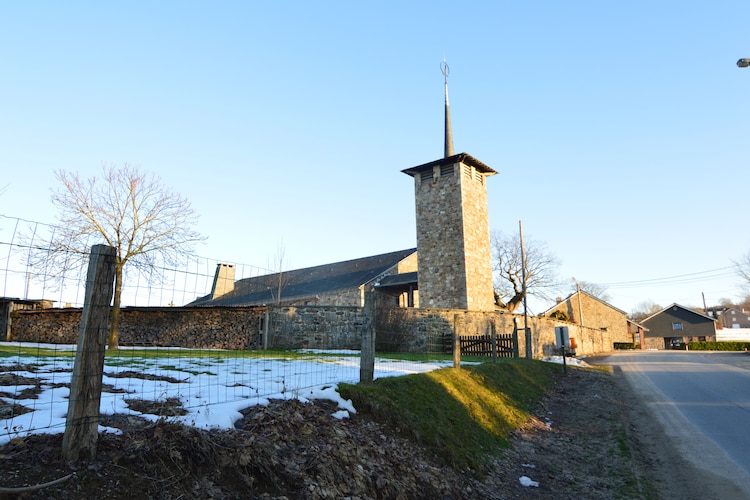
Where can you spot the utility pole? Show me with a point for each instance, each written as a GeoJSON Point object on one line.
{"type": "Point", "coordinates": [527, 337]}
{"type": "Point", "coordinates": [580, 307]}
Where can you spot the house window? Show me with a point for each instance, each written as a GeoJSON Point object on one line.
{"type": "Point", "coordinates": [677, 326]}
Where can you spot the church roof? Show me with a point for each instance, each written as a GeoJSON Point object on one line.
{"type": "Point", "coordinates": [450, 160]}
{"type": "Point", "coordinates": [304, 283]}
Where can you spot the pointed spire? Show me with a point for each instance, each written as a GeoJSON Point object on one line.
{"type": "Point", "coordinates": [448, 132]}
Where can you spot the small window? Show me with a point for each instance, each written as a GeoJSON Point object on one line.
{"type": "Point", "coordinates": [676, 326]}
{"type": "Point", "coordinates": [427, 176]}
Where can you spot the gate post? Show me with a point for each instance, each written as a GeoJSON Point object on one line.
{"type": "Point", "coordinates": [457, 324]}
{"type": "Point", "coordinates": [82, 422]}
{"type": "Point", "coordinates": [367, 354]}
{"type": "Point", "coordinates": [493, 339]}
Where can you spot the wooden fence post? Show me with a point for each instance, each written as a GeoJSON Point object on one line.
{"type": "Point", "coordinates": [457, 328]}
{"type": "Point", "coordinates": [493, 335]}
{"type": "Point", "coordinates": [82, 423]}
{"type": "Point", "coordinates": [367, 354]}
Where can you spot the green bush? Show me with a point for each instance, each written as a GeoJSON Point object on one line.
{"type": "Point", "coordinates": [625, 345]}
{"type": "Point", "coordinates": [719, 346]}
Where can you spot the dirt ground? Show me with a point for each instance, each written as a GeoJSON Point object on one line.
{"type": "Point", "coordinates": [591, 438]}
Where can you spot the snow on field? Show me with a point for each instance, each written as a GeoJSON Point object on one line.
{"type": "Point", "coordinates": [210, 389]}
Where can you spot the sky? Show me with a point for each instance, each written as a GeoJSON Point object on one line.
{"type": "Point", "coordinates": [618, 129]}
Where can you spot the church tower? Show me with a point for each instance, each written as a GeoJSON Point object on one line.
{"type": "Point", "coordinates": [453, 232]}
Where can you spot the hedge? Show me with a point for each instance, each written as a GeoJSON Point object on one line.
{"type": "Point", "coordinates": [719, 346]}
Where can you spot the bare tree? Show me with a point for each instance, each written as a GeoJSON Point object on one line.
{"type": "Point", "coordinates": [281, 278]}
{"type": "Point", "coordinates": [644, 309]}
{"type": "Point", "coordinates": [595, 289]}
{"type": "Point", "coordinates": [541, 270]}
{"type": "Point", "coordinates": [742, 265]}
{"type": "Point", "coordinates": [148, 224]}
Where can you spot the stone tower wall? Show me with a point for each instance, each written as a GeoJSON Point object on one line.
{"type": "Point", "coordinates": [477, 250]}
{"type": "Point", "coordinates": [442, 282]}
{"type": "Point", "coordinates": [453, 240]}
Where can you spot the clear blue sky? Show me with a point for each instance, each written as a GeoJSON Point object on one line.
{"type": "Point", "coordinates": [620, 130]}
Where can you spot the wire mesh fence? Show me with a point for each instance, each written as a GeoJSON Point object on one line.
{"type": "Point", "coordinates": [25, 273]}
{"type": "Point", "coordinates": [181, 380]}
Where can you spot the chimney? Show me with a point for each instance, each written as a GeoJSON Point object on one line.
{"type": "Point", "coordinates": [223, 281]}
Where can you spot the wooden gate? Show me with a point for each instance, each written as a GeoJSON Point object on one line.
{"type": "Point", "coordinates": [501, 346]}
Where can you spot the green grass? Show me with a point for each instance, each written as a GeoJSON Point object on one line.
{"type": "Point", "coordinates": [460, 415]}
{"type": "Point", "coordinates": [217, 354]}
{"type": "Point", "coordinates": [172, 352]}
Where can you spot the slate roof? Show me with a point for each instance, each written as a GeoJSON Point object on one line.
{"type": "Point", "coordinates": [309, 282]}
{"type": "Point", "coordinates": [687, 309]}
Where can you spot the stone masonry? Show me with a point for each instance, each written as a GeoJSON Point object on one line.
{"type": "Point", "coordinates": [453, 237]}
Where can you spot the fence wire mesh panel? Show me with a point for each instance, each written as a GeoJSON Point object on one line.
{"type": "Point", "coordinates": [31, 269]}
{"type": "Point", "coordinates": [192, 365]}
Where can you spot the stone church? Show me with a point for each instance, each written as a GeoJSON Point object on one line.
{"type": "Point", "coordinates": [451, 268]}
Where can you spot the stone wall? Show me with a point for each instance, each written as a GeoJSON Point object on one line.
{"type": "Point", "coordinates": [204, 328]}
{"type": "Point", "coordinates": [453, 238]}
{"type": "Point", "coordinates": [314, 327]}
{"type": "Point", "coordinates": [431, 330]}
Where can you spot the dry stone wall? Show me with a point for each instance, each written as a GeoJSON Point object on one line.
{"type": "Point", "coordinates": [314, 327]}
{"type": "Point", "coordinates": [204, 328]}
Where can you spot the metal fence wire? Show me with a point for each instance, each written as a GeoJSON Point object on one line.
{"type": "Point", "coordinates": [197, 386]}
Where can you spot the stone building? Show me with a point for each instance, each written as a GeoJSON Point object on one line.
{"type": "Point", "coordinates": [338, 284]}
{"type": "Point", "coordinates": [453, 235]}
{"type": "Point", "coordinates": [586, 310]}
{"type": "Point", "coordinates": [452, 268]}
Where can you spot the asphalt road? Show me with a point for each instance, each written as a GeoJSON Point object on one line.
{"type": "Point", "coordinates": [702, 401]}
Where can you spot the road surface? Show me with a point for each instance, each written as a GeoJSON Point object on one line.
{"type": "Point", "coordinates": [702, 401]}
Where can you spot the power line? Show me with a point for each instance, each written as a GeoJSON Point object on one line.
{"type": "Point", "coordinates": [712, 274]}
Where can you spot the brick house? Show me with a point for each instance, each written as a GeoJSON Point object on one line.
{"type": "Point", "coordinates": [676, 325]}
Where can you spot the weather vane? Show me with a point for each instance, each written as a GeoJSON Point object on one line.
{"type": "Point", "coordinates": [445, 70]}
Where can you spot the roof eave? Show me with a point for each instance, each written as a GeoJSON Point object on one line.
{"type": "Point", "coordinates": [450, 160]}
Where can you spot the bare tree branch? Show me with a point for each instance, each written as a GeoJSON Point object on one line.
{"type": "Point", "coordinates": [595, 289]}
{"type": "Point", "coordinates": [541, 269]}
{"type": "Point", "coordinates": [130, 210]}
{"type": "Point", "coordinates": [742, 265]}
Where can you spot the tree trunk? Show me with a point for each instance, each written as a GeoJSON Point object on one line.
{"type": "Point", "coordinates": [114, 323]}
{"type": "Point", "coordinates": [514, 302]}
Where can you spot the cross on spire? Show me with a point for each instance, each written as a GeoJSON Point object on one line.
{"type": "Point", "coordinates": [448, 147]}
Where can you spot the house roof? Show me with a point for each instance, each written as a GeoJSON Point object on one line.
{"type": "Point", "coordinates": [681, 307]}
{"type": "Point", "coordinates": [569, 297]}
{"type": "Point", "coordinates": [308, 282]}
